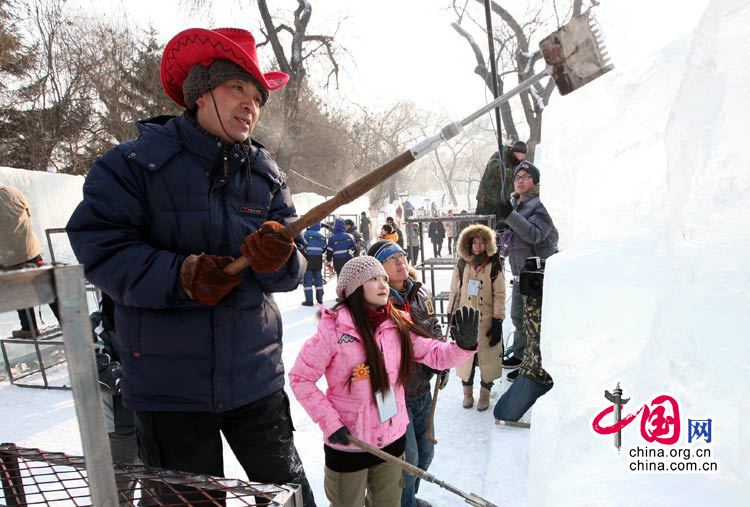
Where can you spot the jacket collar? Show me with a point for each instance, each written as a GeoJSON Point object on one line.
{"type": "Point", "coordinates": [408, 295]}
{"type": "Point", "coordinates": [341, 319]}
{"type": "Point", "coordinates": [206, 145]}
{"type": "Point", "coordinates": [534, 192]}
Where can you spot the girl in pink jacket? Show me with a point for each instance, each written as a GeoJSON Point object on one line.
{"type": "Point", "coordinates": [366, 350]}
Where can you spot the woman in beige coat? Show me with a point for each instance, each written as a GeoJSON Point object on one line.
{"type": "Point", "coordinates": [478, 282]}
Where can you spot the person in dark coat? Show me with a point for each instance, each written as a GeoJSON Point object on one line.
{"type": "Point", "coordinates": [496, 185]}
{"type": "Point", "coordinates": [533, 234]}
{"type": "Point", "coordinates": [365, 227]}
{"type": "Point", "coordinates": [340, 247]}
{"type": "Point", "coordinates": [390, 221]}
{"type": "Point", "coordinates": [359, 242]}
{"type": "Point", "coordinates": [409, 295]}
{"type": "Point", "coordinates": [316, 245]}
{"type": "Point", "coordinates": [436, 232]}
{"type": "Point", "coordinates": [161, 217]}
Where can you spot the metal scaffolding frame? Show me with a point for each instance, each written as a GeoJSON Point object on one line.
{"type": "Point", "coordinates": [31, 476]}
{"type": "Point", "coordinates": [37, 286]}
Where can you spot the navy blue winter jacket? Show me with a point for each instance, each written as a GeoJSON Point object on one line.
{"type": "Point", "coordinates": [316, 244]}
{"type": "Point", "coordinates": [147, 204]}
{"type": "Point", "coordinates": [340, 244]}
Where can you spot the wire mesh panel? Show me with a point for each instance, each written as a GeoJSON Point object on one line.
{"type": "Point", "coordinates": [33, 477]}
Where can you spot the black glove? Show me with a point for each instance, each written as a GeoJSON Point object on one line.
{"type": "Point", "coordinates": [442, 379]}
{"type": "Point", "coordinates": [496, 332]}
{"type": "Point", "coordinates": [503, 211]}
{"type": "Point", "coordinates": [465, 327]}
{"type": "Point", "coordinates": [340, 436]}
{"type": "Point", "coordinates": [110, 374]}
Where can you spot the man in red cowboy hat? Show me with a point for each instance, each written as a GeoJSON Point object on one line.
{"type": "Point", "coordinates": [161, 216]}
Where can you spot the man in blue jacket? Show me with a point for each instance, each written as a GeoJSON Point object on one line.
{"type": "Point", "coordinates": [161, 217]}
{"type": "Point", "coordinates": [316, 244]}
{"type": "Point", "coordinates": [340, 246]}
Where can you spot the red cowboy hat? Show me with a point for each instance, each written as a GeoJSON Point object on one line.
{"type": "Point", "coordinates": [200, 45]}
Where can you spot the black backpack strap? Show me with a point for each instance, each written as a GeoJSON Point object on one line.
{"type": "Point", "coordinates": [461, 265]}
{"type": "Point", "coordinates": [497, 266]}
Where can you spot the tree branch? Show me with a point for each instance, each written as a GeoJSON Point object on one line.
{"type": "Point", "coordinates": [273, 38]}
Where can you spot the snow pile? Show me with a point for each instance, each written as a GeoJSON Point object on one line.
{"type": "Point", "coordinates": [646, 176]}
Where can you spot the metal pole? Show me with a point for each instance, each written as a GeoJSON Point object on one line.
{"type": "Point", "coordinates": [79, 350]}
{"type": "Point", "coordinates": [493, 69]}
{"type": "Point", "coordinates": [523, 85]}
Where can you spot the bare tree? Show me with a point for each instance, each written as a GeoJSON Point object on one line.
{"type": "Point", "coordinates": [15, 58]}
{"type": "Point", "coordinates": [294, 50]}
{"type": "Point", "coordinates": [381, 136]}
{"type": "Point", "coordinates": [303, 48]}
{"type": "Point", "coordinates": [49, 109]}
{"type": "Point", "coordinates": [514, 58]}
{"type": "Point", "coordinates": [446, 162]}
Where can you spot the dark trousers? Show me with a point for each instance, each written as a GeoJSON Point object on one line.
{"type": "Point", "coordinates": [450, 244]}
{"type": "Point", "coordinates": [338, 264]}
{"type": "Point", "coordinates": [26, 315]}
{"type": "Point", "coordinates": [313, 278]}
{"type": "Point", "coordinates": [259, 433]}
{"type": "Point", "coordinates": [470, 380]}
{"type": "Point", "coordinates": [28, 319]}
{"type": "Point", "coordinates": [516, 314]}
{"type": "Point", "coordinates": [419, 451]}
{"type": "Point", "coordinates": [414, 254]}
{"type": "Point", "coordinates": [521, 395]}
{"type": "Point", "coordinates": [437, 246]}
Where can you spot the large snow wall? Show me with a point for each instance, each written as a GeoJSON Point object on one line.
{"type": "Point", "coordinates": [52, 198]}
{"type": "Point", "coordinates": [646, 173]}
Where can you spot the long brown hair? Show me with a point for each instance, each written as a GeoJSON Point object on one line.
{"type": "Point", "coordinates": [357, 306]}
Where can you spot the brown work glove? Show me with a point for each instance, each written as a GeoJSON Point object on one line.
{"type": "Point", "coordinates": [266, 249]}
{"type": "Point", "coordinates": [204, 281]}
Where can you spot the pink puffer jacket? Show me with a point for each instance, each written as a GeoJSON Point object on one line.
{"type": "Point", "coordinates": [337, 351]}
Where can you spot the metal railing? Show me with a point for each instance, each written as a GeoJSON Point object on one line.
{"type": "Point", "coordinates": [34, 477]}
{"type": "Point", "coordinates": [37, 286]}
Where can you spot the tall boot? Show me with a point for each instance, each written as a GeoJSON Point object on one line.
{"type": "Point", "coordinates": [468, 396]}
{"type": "Point", "coordinates": [484, 399]}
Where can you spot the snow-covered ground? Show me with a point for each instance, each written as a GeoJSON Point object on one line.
{"type": "Point", "coordinates": [645, 172]}
{"type": "Point", "coordinates": [472, 454]}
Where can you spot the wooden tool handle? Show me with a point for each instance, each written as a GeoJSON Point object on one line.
{"type": "Point", "coordinates": [346, 195]}
{"type": "Point", "coordinates": [430, 422]}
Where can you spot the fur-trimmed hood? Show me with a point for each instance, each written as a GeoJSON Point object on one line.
{"type": "Point", "coordinates": [534, 192]}
{"type": "Point", "coordinates": [469, 233]}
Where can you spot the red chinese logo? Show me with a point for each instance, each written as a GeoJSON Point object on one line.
{"type": "Point", "coordinates": [660, 421]}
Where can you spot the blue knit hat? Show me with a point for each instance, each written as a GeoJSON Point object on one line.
{"type": "Point", "coordinates": [381, 250]}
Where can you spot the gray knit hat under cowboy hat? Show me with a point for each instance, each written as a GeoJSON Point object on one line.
{"type": "Point", "coordinates": [202, 79]}
{"type": "Point", "coordinates": [219, 54]}
{"type": "Point", "coordinates": [356, 272]}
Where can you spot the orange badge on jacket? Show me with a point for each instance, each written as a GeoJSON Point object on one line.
{"type": "Point", "coordinates": [361, 372]}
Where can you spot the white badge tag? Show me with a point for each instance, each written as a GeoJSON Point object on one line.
{"type": "Point", "coordinates": [473, 288]}
{"type": "Point", "coordinates": [386, 405]}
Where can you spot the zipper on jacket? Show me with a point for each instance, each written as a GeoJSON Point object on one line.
{"type": "Point", "coordinates": [225, 152]}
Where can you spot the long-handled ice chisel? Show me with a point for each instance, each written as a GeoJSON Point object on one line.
{"type": "Point", "coordinates": [575, 55]}
{"type": "Point", "coordinates": [471, 498]}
